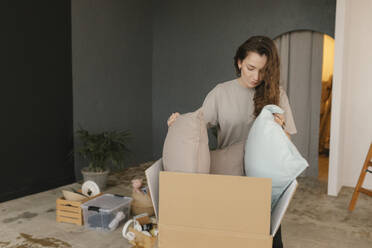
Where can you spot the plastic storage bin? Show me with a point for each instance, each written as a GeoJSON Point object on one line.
{"type": "Point", "coordinates": [106, 212]}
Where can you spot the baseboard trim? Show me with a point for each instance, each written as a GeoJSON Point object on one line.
{"type": "Point", "coordinates": [34, 188]}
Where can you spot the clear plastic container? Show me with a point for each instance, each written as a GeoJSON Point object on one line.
{"type": "Point", "coordinates": [103, 212]}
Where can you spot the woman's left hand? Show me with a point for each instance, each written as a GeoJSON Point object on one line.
{"type": "Point", "coordinates": [279, 118]}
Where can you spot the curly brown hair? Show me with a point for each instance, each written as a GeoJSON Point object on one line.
{"type": "Point", "coordinates": [267, 92]}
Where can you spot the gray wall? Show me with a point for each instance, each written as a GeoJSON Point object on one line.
{"type": "Point", "coordinates": [194, 43]}
{"type": "Point", "coordinates": [111, 57]}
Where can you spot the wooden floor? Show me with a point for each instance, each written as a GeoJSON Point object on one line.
{"type": "Point", "coordinates": [323, 168]}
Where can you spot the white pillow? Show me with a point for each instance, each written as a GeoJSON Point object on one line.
{"type": "Point", "coordinates": [270, 153]}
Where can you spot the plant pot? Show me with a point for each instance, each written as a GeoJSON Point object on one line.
{"type": "Point", "coordinates": [100, 178]}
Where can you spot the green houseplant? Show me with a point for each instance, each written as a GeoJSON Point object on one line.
{"type": "Point", "coordinates": [102, 150]}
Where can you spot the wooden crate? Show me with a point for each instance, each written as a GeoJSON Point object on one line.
{"type": "Point", "coordinates": [70, 211]}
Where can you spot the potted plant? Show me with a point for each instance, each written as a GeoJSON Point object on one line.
{"type": "Point", "coordinates": [102, 150]}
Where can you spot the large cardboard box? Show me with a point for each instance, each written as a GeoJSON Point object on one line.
{"type": "Point", "coordinates": [201, 210]}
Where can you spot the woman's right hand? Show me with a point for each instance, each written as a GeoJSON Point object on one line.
{"type": "Point", "coordinates": [172, 118]}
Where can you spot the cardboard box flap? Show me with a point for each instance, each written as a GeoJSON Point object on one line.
{"type": "Point", "coordinates": [217, 202]}
{"type": "Point", "coordinates": [152, 177]}
{"type": "Point", "coordinates": [282, 206]}
{"type": "Point", "coordinates": [183, 237]}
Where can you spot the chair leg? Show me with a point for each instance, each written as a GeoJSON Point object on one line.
{"type": "Point", "coordinates": [358, 187]}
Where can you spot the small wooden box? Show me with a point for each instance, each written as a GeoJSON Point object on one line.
{"type": "Point", "coordinates": [70, 211]}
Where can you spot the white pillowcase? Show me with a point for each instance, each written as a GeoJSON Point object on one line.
{"type": "Point", "coordinates": [270, 153]}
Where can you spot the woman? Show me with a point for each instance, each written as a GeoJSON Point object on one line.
{"type": "Point", "coordinates": [232, 106]}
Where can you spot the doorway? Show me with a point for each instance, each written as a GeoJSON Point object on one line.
{"type": "Point", "coordinates": [325, 107]}
{"type": "Point", "coordinates": [302, 54]}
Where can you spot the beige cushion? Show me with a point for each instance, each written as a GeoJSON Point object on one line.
{"type": "Point", "coordinates": [228, 161]}
{"type": "Point", "coordinates": [186, 145]}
